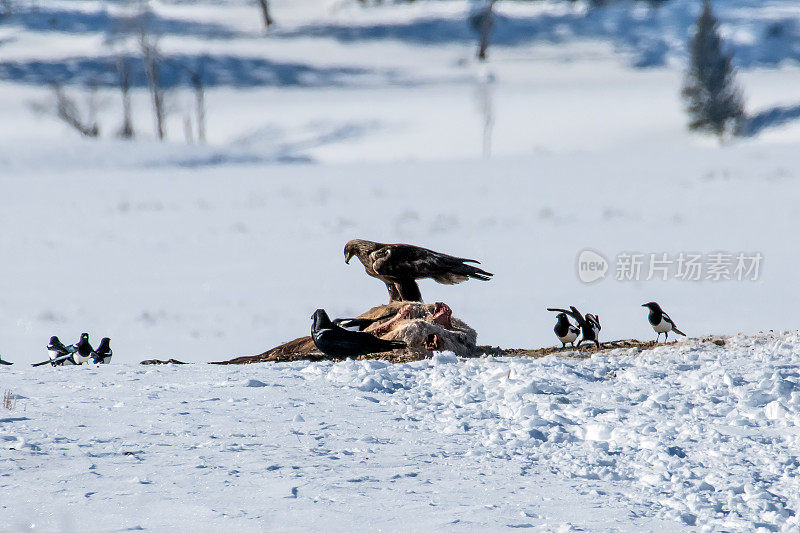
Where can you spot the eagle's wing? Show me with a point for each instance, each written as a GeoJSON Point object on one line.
{"type": "Point", "coordinates": [403, 261]}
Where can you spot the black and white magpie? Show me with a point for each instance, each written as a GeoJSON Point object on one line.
{"type": "Point", "coordinates": [58, 353]}
{"type": "Point", "coordinates": [83, 351]}
{"type": "Point", "coordinates": [102, 355]}
{"type": "Point", "coordinates": [590, 329]}
{"type": "Point", "coordinates": [590, 324]}
{"type": "Point", "coordinates": [7, 363]}
{"type": "Point", "coordinates": [336, 341]}
{"type": "Point", "coordinates": [661, 321]}
{"type": "Point", "coordinates": [565, 331]}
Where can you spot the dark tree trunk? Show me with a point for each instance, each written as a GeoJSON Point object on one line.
{"type": "Point", "coordinates": [153, 73]}
{"type": "Point", "coordinates": [265, 14]}
{"type": "Point", "coordinates": [124, 77]}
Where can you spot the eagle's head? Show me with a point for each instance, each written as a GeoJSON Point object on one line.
{"type": "Point", "coordinates": [360, 248]}
{"type": "Point", "coordinates": [349, 251]}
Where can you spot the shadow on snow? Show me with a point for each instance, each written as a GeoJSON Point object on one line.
{"type": "Point", "coordinates": [217, 70]}
{"type": "Point", "coordinates": [770, 118]}
{"type": "Point", "coordinates": [77, 21]}
{"type": "Point", "coordinates": [651, 36]}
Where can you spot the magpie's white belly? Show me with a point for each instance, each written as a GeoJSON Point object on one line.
{"type": "Point", "coordinates": [569, 337]}
{"type": "Point", "coordinates": [662, 327]}
{"type": "Point", "coordinates": [52, 353]}
{"type": "Point", "coordinates": [79, 359]}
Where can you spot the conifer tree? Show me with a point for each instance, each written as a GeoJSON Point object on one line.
{"type": "Point", "coordinates": [713, 99]}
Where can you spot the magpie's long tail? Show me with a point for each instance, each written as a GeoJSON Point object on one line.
{"type": "Point", "coordinates": [679, 332]}
{"type": "Point", "coordinates": [396, 345]}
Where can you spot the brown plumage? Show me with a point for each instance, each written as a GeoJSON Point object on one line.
{"type": "Point", "coordinates": [400, 265]}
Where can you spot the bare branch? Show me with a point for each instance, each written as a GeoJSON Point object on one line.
{"type": "Point", "coordinates": [265, 14]}
{"type": "Point", "coordinates": [67, 110]}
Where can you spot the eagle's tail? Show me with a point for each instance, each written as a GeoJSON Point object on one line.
{"type": "Point", "coordinates": [479, 273]}
{"type": "Point", "coordinates": [462, 273]}
{"type": "Point", "coordinates": [469, 271]}
{"type": "Point", "coordinates": [676, 330]}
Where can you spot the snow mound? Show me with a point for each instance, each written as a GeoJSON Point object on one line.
{"type": "Point", "coordinates": [700, 433]}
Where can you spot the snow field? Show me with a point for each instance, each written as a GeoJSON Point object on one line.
{"type": "Point", "coordinates": [208, 252]}
{"type": "Point", "coordinates": [690, 435]}
{"type": "Point", "coordinates": [702, 434]}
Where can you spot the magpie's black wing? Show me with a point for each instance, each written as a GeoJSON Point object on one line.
{"type": "Point", "coordinates": [674, 327]}
{"type": "Point", "coordinates": [58, 346]}
{"type": "Point", "coordinates": [574, 313]}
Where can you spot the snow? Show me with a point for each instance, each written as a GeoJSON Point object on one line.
{"type": "Point", "coordinates": [375, 122]}
{"type": "Point", "coordinates": [681, 435]}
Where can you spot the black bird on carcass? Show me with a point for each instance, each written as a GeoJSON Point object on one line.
{"type": "Point", "coordinates": [336, 341]}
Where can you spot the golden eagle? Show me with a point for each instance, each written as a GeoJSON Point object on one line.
{"type": "Point", "coordinates": [400, 265]}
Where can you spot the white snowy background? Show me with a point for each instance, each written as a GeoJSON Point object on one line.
{"type": "Point", "coordinates": [345, 122]}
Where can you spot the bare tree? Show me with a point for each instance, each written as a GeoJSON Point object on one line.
{"type": "Point", "coordinates": [196, 80]}
{"type": "Point", "coordinates": [485, 100]}
{"type": "Point", "coordinates": [481, 20]}
{"type": "Point", "coordinates": [199, 101]}
{"type": "Point", "coordinates": [188, 132]}
{"type": "Point", "coordinates": [124, 80]}
{"type": "Point", "coordinates": [152, 67]}
{"type": "Point", "coordinates": [265, 14]}
{"type": "Point", "coordinates": [67, 110]}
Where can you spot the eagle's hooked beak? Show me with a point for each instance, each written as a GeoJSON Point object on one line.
{"type": "Point", "coordinates": [348, 255]}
